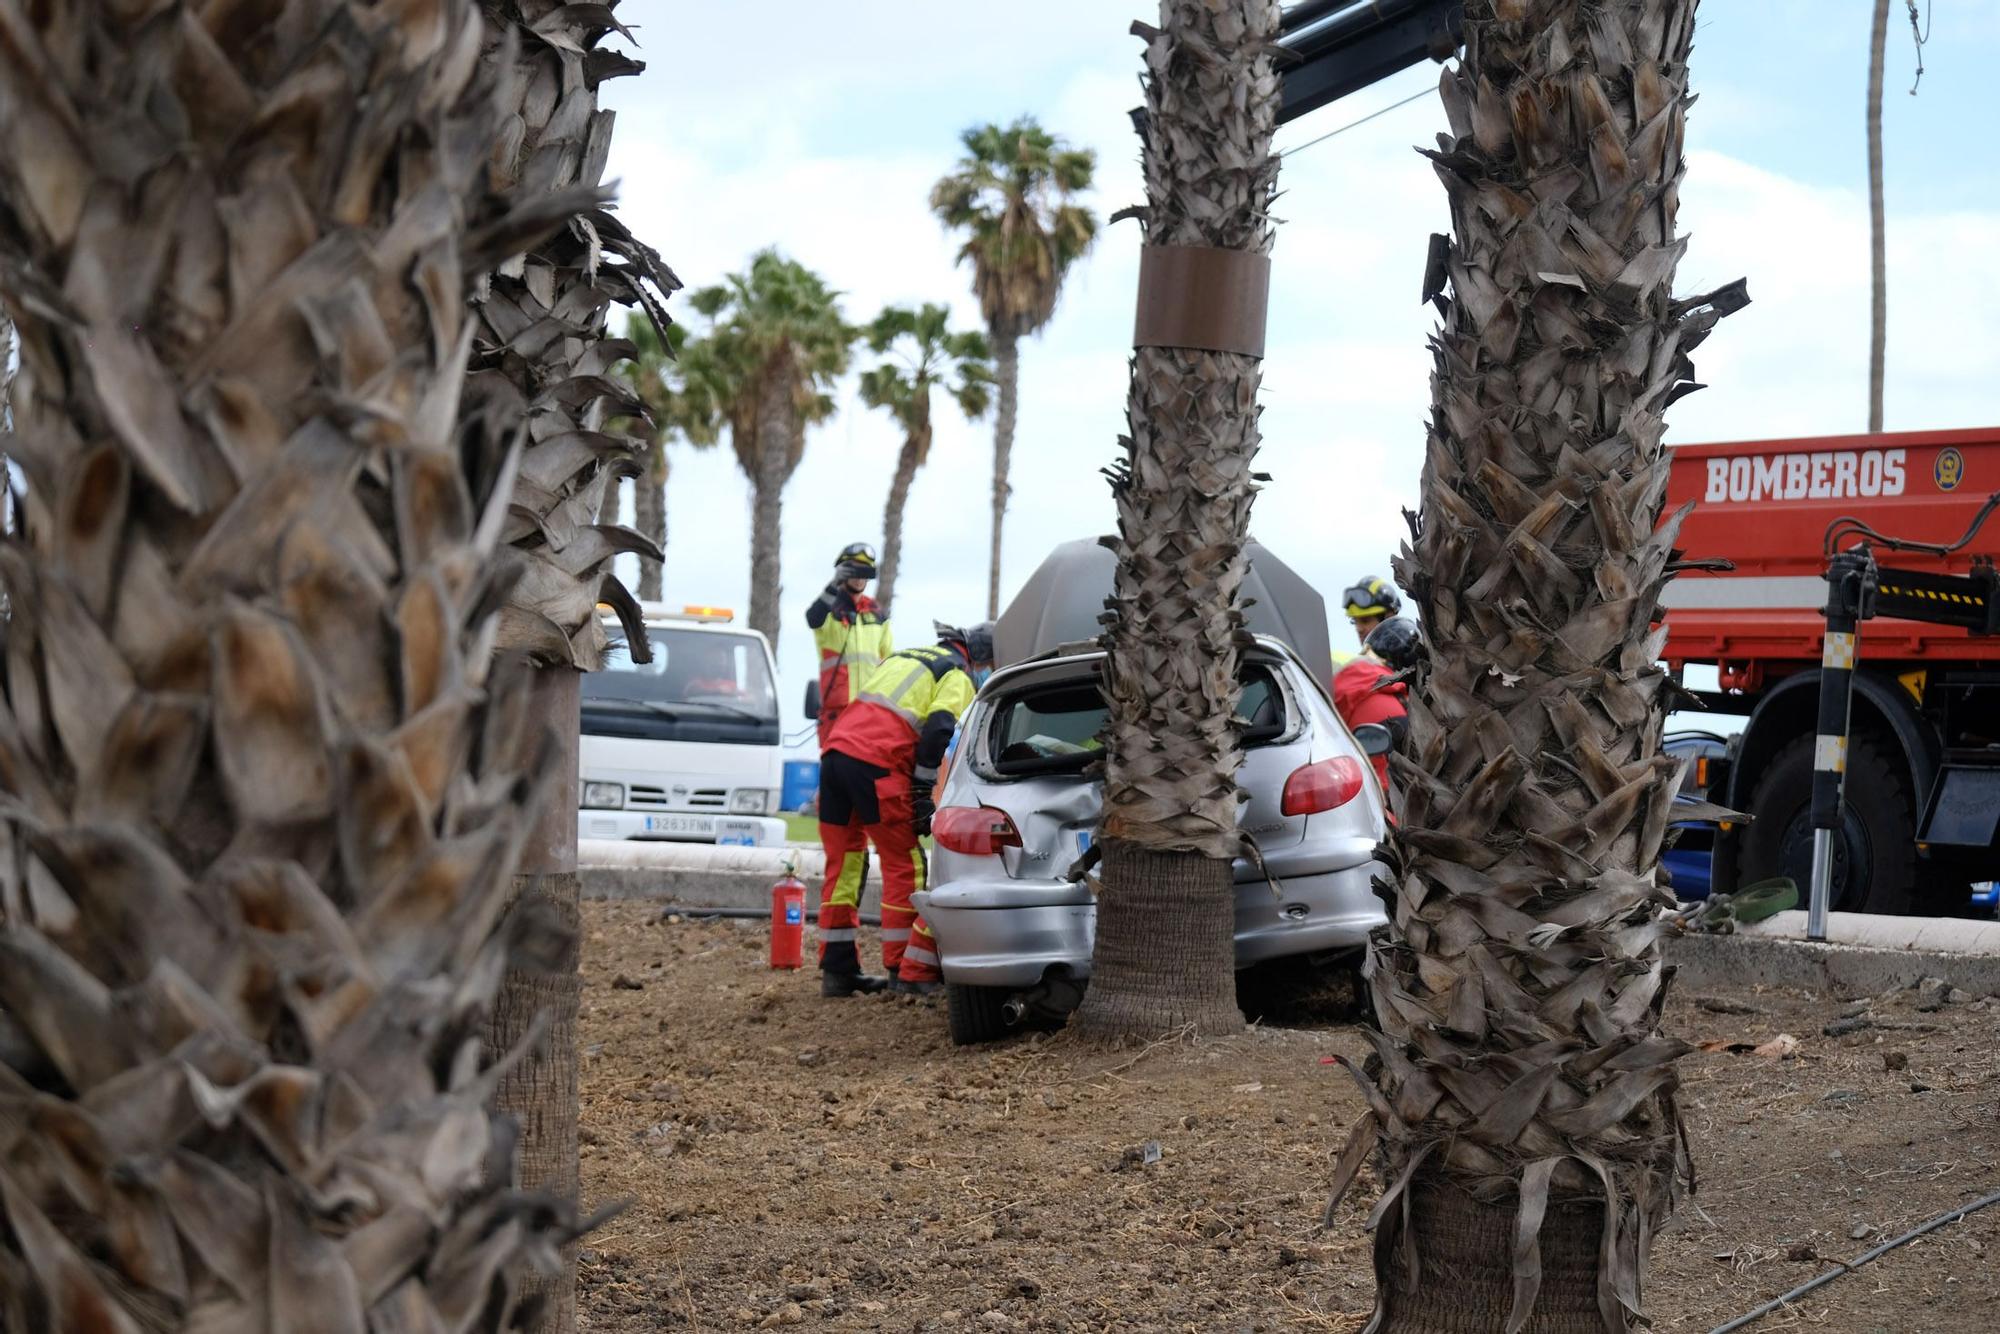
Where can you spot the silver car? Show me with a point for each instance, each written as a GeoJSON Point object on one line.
{"type": "Point", "coordinates": [1018, 808]}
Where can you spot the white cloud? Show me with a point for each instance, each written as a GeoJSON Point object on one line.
{"type": "Point", "coordinates": [1795, 362]}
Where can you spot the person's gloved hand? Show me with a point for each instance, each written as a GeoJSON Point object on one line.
{"type": "Point", "coordinates": [922, 807]}
{"type": "Point", "coordinates": [852, 570]}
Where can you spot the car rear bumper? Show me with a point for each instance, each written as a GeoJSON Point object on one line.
{"type": "Point", "coordinates": [1011, 933]}
{"type": "Point", "coordinates": [1009, 946]}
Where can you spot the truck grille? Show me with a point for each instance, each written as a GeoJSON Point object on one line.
{"type": "Point", "coordinates": [683, 799]}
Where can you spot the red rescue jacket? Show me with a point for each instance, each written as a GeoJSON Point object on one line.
{"type": "Point", "coordinates": [1361, 697]}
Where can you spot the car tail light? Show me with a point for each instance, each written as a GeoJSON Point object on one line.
{"type": "Point", "coordinates": [1323, 786]}
{"type": "Point", "coordinates": [976, 831]}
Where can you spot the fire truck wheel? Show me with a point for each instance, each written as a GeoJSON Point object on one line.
{"type": "Point", "coordinates": [1875, 867]}
{"type": "Point", "coordinates": [975, 1013]}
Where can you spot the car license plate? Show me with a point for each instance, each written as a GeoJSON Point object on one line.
{"type": "Point", "coordinates": [698, 826]}
{"type": "Point", "coordinates": [1082, 842]}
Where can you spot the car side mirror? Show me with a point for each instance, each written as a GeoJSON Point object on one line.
{"type": "Point", "coordinates": [1375, 739]}
{"type": "Point", "coordinates": [812, 701]}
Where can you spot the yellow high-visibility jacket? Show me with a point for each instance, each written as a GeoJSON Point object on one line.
{"type": "Point", "coordinates": [853, 637]}
{"type": "Point", "coordinates": [905, 711]}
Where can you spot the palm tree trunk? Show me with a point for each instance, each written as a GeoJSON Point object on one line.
{"type": "Point", "coordinates": [775, 417]}
{"type": "Point", "coordinates": [1878, 318]}
{"type": "Point", "coordinates": [1007, 368]}
{"type": "Point", "coordinates": [255, 748]}
{"type": "Point", "coordinates": [1165, 951]}
{"type": "Point", "coordinates": [914, 445]}
{"type": "Point", "coordinates": [649, 514]}
{"type": "Point", "coordinates": [553, 145]}
{"type": "Point", "coordinates": [1523, 1096]}
{"type": "Point", "coordinates": [541, 1092]}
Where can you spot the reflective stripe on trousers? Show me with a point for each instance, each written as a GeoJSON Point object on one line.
{"type": "Point", "coordinates": [920, 960]}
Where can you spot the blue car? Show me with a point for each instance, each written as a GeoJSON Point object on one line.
{"type": "Point", "coordinates": [1689, 860]}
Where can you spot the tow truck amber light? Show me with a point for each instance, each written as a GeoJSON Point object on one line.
{"type": "Point", "coordinates": [976, 831]}
{"type": "Point", "coordinates": [1323, 786]}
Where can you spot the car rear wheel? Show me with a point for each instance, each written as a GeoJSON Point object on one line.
{"type": "Point", "coordinates": [977, 1014]}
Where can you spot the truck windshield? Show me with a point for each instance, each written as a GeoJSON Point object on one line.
{"type": "Point", "coordinates": [701, 685]}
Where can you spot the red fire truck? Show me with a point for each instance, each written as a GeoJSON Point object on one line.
{"type": "Point", "coordinates": [1922, 791]}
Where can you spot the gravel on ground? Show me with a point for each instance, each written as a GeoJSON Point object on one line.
{"type": "Point", "coordinates": [840, 1165]}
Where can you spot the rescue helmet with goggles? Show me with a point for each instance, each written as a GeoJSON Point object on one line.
{"type": "Point", "coordinates": [1372, 596]}
{"type": "Point", "coordinates": [1397, 642]}
{"type": "Point", "coordinates": [856, 561]}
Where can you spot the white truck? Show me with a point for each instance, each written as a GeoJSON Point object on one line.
{"type": "Point", "coordinates": [687, 747]}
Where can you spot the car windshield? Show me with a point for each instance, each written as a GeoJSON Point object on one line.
{"type": "Point", "coordinates": [1054, 728]}
{"type": "Point", "coordinates": [694, 672]}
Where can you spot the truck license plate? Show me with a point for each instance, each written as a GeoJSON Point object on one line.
{"type": "Point", "coordinates": [736, 833]}
{"type": "Point", "coordinates": [697, 826]}
{"type": "Point", "coordinates": [1082, 842]}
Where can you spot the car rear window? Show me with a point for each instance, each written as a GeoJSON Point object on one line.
{"type": "Point", "coordinates": [1054, 728]}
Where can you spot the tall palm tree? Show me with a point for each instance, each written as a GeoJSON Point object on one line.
{"type": "Point", "coordinates": [262, 784]}
{"type": "Point", "coordinates": [1165, 949]}
{"type": "Point", "coordinates": [648, 372]}
{"type": "Point", "coordinates": [1522, 1093]}
{"type": "Point", "coordinates": [541, 372]}
{"type": "Point", "coordinates": [775, 345]}
{"type": "Point", "coordinates": [1012, 194]}
{"type": "Point", "coordinates": [1878, 315]}
{"type": "Point", "coordinates": [927, 353]}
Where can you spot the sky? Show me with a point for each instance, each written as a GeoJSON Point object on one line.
{"type": "Point", "coordinates": [819, 128]}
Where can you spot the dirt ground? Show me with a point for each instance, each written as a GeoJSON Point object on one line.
{"type": "Point", "coordinates": [840, 1165]}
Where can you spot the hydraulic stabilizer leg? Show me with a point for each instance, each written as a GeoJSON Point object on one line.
{"type": "Point", "coordinates": [1848, 579]}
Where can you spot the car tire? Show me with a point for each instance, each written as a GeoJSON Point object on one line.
{"type": "Point", "coordinates": [975, 1013]}
{"type": "Point", "coordinates": [1876, 869]}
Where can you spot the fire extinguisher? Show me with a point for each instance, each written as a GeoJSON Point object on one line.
{"type": "Point", "coordinates": [788, 921]}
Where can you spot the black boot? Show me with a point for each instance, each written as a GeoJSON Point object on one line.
{"type": "Point", "coordinates": [850, 984]}
{"type": "Point", "coordinates": [903, 987]}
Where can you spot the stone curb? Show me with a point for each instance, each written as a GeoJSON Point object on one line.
{"type": "Point", "coordinates": [1863, 955]}
{"type": "Point", "coordinates": [695, 875]}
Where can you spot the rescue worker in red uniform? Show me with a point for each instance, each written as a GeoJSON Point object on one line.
{"type": "Point", "coordinates": [1366, 691]}
{"type": "Point", "coordinates": [876, 782]}
{"type": "Point", "coordinates": [850, 631]}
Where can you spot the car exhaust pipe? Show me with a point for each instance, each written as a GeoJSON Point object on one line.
{"type": "Point", "coordinates": [1014, 1009]}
